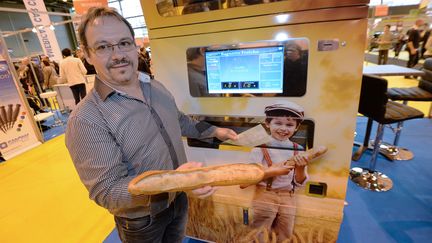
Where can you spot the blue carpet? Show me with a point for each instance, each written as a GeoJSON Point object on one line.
{"type": "Point", "coordinates": [403, 214]}
{"type": "Point", "coordinates": [55, 129]}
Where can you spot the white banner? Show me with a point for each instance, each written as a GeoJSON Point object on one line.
{"type": "Point", "coordinates": [17, 128]}
{"type": "Point", "coordinates": [41, 21]}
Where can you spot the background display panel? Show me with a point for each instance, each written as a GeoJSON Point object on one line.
{"type": "Point", "coordinates": [265, 68]}
{"type": "Point", "coordinates": [250, 70]}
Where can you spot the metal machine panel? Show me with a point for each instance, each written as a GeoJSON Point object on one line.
{"type": "Point", "coordinates": [155, 20]}
{"type": "Point", "coordinates": [335, 59]}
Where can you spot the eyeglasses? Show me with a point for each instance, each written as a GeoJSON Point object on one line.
{"type": "Point", "coordinates": [103, 50]}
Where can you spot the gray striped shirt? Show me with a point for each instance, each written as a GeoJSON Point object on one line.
{"type": "Point", "coordinates": [112, 137]}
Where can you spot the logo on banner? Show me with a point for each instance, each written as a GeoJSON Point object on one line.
{"type": "Point", "coordinates": [13, 143]}
{"type": "Point", "coordinates": [3, 67]}
{"type": "Point", "coordinates": [9, 116]}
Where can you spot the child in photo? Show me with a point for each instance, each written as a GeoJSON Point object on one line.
{"type": "Point", "coordinates": [274, 206]}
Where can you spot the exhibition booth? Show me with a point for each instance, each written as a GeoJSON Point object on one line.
{"type": "Point", "coordinates": [233, 64]}
{"type": "Point", "coordinates": [258, 56]}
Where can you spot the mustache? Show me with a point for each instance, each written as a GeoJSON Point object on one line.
{"type": "Point", "coordinates": [118, 61]}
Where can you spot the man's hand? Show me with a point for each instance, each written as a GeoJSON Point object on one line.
{"type": "Point", "coordinates": [224, 134]}
{"type": "Point", "coordinates": [202, 192]}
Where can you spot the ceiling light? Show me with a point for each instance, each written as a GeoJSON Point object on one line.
{"type": "Point", "coordinates": [281, 36]}
{"type": "Point", "coordinates": [282, 18]}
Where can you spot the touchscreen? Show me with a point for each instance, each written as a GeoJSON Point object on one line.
{"type": "Point", "coordinates": [248, 70]}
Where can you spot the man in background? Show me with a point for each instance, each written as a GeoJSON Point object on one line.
{"type": "Point", "coordinates": [72, 71]}
{"type": "Point", "coordinates": [384, 45]}
{"type": "Point", "coordinates": [413, 43]}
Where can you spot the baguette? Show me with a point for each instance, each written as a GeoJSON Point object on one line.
{"type": "Point", "coordinates": [155, 182]}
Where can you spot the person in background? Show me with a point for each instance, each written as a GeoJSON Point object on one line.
{"type": "Point", "coordinates": [127, 125]}
{"type": "Point", "coordinates": [413, 43]}
{"type": "Point", "coordinates": [196, 72]}
{"type": "Point", "coordinates": [49, 73]}
{"type": "Point", "coordinates": [295, 70]}
{"type": "Point", "coordinates": [400, 41]}
{"type": "Point", "coordinates": [428, 48]}
{"type": "Point", "coordinates": [31, 76]}
{"type": "Point", "coordinates": [384, 44]}
{"type": "Point", "coordinates": [144, 61]}
{"type": "Point", "coordinates": [72, 71]}
{"type": "Point", "coordinates": [424, 38]}
{"type": "Point", "coordinates": [196, 6]}
{"type": "Point", "coordinates": [90, 68]}
{"type": "Point", "coordinates": [53, 63]}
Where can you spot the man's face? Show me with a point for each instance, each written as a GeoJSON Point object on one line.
{"type": "Point", "coordinates": [292, 53]}
{"type": "Point", "coordinates": [80, 54]}
{"type": "Point", "coordinates": [282, 128]}
{"type": "Point", "coordinates": [116, 67]}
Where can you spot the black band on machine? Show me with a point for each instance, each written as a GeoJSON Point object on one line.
{"type": "Point", "coordinates": [202, 126]}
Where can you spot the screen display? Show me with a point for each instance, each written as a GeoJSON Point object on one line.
{"type": "Point", "coordinates": [247, 70]}
{"type": "Point", "coordinates": [264, 68]}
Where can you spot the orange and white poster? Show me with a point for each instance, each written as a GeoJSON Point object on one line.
{"type": "Point", "coordinates": [81, 6]}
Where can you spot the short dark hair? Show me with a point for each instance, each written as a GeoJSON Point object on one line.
{"type": "Point", "coordinates": [66, 52]}
{"type": "Point", "coordinates": [46, 62]}
{"type": "Point", "coordinates": [193, 53]}
{"type": "Point", "coordinates": [388, 26]}
{"type": "Point", "coordinates": [94, 13]}
{"type": "Point", "coordinates": [293, 45]}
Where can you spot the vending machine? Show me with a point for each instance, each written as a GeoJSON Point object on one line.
{"type": "Point", "coordinates": [286, 76]}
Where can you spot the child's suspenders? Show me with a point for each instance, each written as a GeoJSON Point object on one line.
{"type": "Point", "coordinates": [269, 161]}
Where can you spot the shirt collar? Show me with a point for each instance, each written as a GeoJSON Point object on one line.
{"type": "Point", "coordinates": [283, 144]}
{"type": "Point", "coordinates": [105, 91]}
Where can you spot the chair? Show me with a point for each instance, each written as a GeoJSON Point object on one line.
{"type": "Point", "coordinates": [39, 118]}
{"type": "Point", "coordinates": [375, 105]}
{"type": "Point", "coordinates": [423, 92]}
{"type": "Point", "coordinates": [53, 96]}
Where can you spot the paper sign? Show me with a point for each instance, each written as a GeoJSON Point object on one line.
{"type": "Point", "coordinates": [252, 137]}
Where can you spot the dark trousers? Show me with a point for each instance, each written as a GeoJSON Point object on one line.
{"type": "Point", "coordinates": [382, 56]}
{"type": "Point", "coordinates": [398, 48]}
{"type": "Point", "coordinates": [167, 226]}
{"type": "Point", "coordinates": [413, 59]}
{"type": "Point", "coordinates": [79, 92]}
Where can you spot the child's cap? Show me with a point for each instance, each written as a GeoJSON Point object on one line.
{"type": "Point", "coordinates": [290, 107]}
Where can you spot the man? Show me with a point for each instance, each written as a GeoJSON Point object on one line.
{"type": "Point", "coordinates": [73, 72]}
{"type": "Point", "coordinates": [413, 44]}
{"type": "Point", "coordinates": [384, 44]}
{"type": "Point", "coordinates": [196, 72]}
{"type": "Point", "coordinates": [127, 125]}
{"type": "Point", "coordinates": [90, 69]}
{"type": "Point", "coordinates": [295, 70]}
{"type": "Point", "coordinates": [424, 38]}
{"type": "Point", "coordinates": [31, 76]}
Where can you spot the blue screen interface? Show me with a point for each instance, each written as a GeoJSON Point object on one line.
{"type": "Point", "coordinates": [249, 70]}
